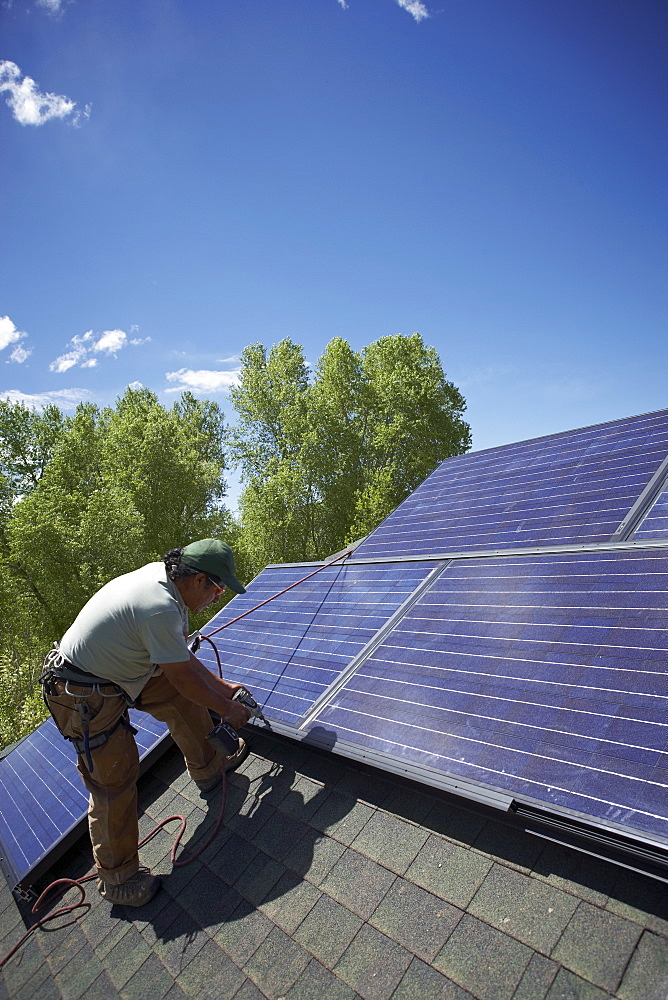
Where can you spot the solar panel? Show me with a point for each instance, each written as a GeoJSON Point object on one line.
{"type": "Point", "coordinates": [566, 488]}
{"type": "Point", "coordinates": [544, 676]}
{"type": "Point", "coordinates": [44, 802]}
{"type": "Point", "coordinates": [291, 650]}
{"type": "Point", "coordinates": [532, 680]}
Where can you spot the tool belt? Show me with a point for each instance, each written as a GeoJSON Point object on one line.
{"type": "Point", "coordinates": [56, 668]}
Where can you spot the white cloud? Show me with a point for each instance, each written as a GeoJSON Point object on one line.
{"type": "Point", "coordinates": [52, 6]}
{"type": "Point", "coordinates": [66, 399]}
{"type": "Point", "coordinates": [10, 335]}
{"type": "Point", "coordinates": [136, 386]}
{"type": "Point", "coordinates": [20, 354]}
{"type": "Point", "coordinates": [29, 105]}
{"type": "Point", "coordinates": [66, 361]}
{"type": "Point", "coordinates": [85, 345]}
{"type": "Point", "coordinates": [202, 380]}
{"type": "Point", "coordinates": [8, 332]}
{"type": "Point", "coordinates": [111, 341]}
{"type": "Point", "coordinates": [414, 7]}
{"type": "Point", "coordinates": [85, 338]}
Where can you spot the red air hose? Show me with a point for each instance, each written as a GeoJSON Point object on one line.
{"type": "Point", "coordinates": [62, 885]}
{"type": "Point", "coordinates": [68, 883]}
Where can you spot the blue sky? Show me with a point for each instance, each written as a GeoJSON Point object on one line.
{"type": "Point", "coordinates": [183, 177]}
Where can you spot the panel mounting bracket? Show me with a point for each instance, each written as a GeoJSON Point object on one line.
{"type": "Point", "coordinates": [642, 506]}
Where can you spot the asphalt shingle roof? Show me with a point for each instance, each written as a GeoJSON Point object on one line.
{"type": "Point", "coordinates": [331, 882]}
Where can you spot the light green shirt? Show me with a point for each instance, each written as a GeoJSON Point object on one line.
{"type": "Point", "coordinates": [132, 624]}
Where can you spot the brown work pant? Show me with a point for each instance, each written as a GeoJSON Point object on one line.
{"type": "Point", "coordinates": [112, 784]}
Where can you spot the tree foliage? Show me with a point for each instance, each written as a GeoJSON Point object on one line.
{"type": "Point", "coordinates": [326, 459]}
{"type": "Point", "coordinates": [87, 498]}
{"type": "Point", "coordinates": [27, 440]}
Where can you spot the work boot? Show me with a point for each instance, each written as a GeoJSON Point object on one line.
{"type": "Point", "coordinates": [137, 890]}
{"type": "Point", "coordinates": [231, 764]}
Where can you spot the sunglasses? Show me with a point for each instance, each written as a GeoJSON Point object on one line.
{"type": "Point", "coordinates": [216, 586]}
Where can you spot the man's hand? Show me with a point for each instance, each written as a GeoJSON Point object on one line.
{"type": "Point", "coordinates": [195, 682]}
{"type": "Point", "coordinates": [237, 715]}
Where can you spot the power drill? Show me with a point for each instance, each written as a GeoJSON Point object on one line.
{"type": "Point", "coordinates": [223, 737]}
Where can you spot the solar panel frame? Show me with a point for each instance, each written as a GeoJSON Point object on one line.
{"type": "Point", "coordinates": [638, 523]}
{"type": "Point", "coordinates": [655, 522]}
{"type": "Point", "coordinates": [529, 550]}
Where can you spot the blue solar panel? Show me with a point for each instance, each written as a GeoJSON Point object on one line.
{"type": "Point", "coordinates": [543, 676]}
{"type": "Point", "coordinates": [43, 798]}
{"type": "Point", "coordinates": [571, 487]}
{"type": "Point", "coordinates": [288, 652]}
{"type": "Point", "coordinates": [655, 524]}
{"type": "Point", "coordinates": [540, 677]}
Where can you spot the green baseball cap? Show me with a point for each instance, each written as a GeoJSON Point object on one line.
{"type": "Point", "coordinates": [214, 558]}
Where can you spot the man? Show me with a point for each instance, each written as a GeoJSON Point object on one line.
{"type": "Point", "coordinates": [128, 646]}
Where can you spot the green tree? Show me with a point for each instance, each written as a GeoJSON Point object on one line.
{"type": "Point", "coordinates": [271, 403]}
{"type": "Point", "coordinates": [123, 486]}
{"type": "Point", "coordinates": [118, 488]}
{"type": "Point", "coordinates": [412, 421]}
{"type": "Point", "coordinates": [6, 498]}
{"type": "Point", "coordinates": [326, 460]}
{"type": "Point", "coordinates": [268, 441]}
{"type": "Point", "coordinates": [20, 702]}
{"type": "Point", "coordinates": [170, 462]}
{"type": "Point", "coordinates": [27, 439]}
{"type": "Point", "coordinates": [334, 447]}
